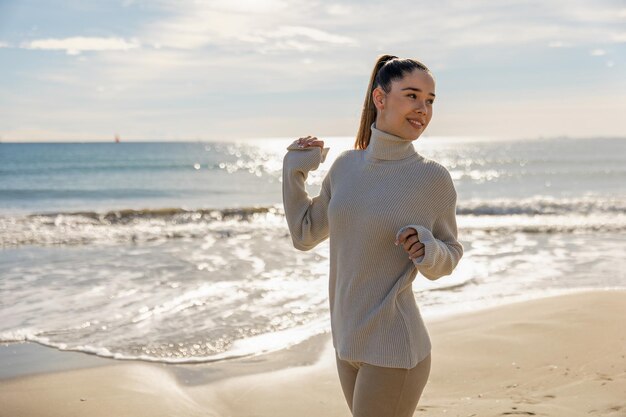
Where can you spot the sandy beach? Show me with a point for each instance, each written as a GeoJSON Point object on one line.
{"type": "Point", "coordinates": [557, 356]}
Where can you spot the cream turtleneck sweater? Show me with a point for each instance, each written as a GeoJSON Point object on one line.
{"type": "Point", "coordinates": [368, 197]}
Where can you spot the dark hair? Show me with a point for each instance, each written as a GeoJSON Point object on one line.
{"type": "Point", "coordinates": [388, 68]}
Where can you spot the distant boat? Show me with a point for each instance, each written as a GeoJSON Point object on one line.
{"type": "Point", "coordinates": [117, 138]}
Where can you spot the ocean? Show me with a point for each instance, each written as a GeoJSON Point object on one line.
{"type": "Point", "coordinates": [180, 252]}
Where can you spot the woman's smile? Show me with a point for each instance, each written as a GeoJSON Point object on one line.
{"type": "Point", "coordinates": [415, 123]}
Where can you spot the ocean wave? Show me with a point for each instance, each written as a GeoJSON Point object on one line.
{"type": "Point", "coordinates": [173, 214]}
{"type": "Point", "coordinates": [133, 226]}
{"type": "Point", "coordinates": [541, 206]}
{"type": "Point", "coordinates": [535, 215]}
{"type": "Point", "coordinates": [476, 207]}
{"type": "Point", "coordinates": [599, 226]}
{"type": "Point", "coordinates": [252, 346]}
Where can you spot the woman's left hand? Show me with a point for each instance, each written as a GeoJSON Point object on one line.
{"type": "Point", "coordinates": [409, 239]}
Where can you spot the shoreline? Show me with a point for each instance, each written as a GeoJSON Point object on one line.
{"type": "Point", "coordinates": [554, 356]}
{"type": "Point", "coordinates": [25, 358]}
{"type": "Point", "coordinates": [30, 359]}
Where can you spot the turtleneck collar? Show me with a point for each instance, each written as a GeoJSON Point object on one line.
{"type": "Point", "coordinates": [388, 147]}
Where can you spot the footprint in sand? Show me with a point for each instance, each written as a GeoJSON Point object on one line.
{"type": "Point", "coordinates": [608, 411]}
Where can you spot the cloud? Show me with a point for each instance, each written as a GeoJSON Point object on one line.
{"type": "Point", "coordinates": [217, 43]}
{"type": "Point", "coordinates": [78, 44]}
{"type": "Point", "coordinates": [313, 34]}
{"type": "Point", "coordinates": [228, 60]}
{"type": "Point", "coordinates": [557, 44]}
{"type": "Point", "coordinates": [339, 9]}
{"type": "Point", "coordinates": [590, 13]}
{"type": "Point", "coordinates": [456, 25]}
{"type": "Point", "coordinates": [244, 6]}
{"type": "Point", "coordinates": [221, 46]}
{"type": "Point", "coordinates": [243, 26]}
{"type": "Point", "coordinates": [190, 25]}
{"type": "Point", "coordinates": [301, 39]}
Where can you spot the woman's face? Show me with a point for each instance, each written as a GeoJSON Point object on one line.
{"type": "Point", "coordinates": [406, 110]}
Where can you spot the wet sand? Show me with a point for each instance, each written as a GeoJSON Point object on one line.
{"type": "Point", "coordinates": [557, 356]}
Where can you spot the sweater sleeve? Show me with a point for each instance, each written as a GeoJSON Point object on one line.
{"type": "Point", "coordinates": [442, 251]}
{"type": "Point", "coordinates": [307, 217]}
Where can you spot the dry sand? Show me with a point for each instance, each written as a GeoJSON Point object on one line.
{"type": "Point", "coordinates": [558, 356]}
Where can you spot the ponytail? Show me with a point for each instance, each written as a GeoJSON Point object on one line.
{"type": "Point", "coordinates": [368, 114]}
{"type": "Point", "coordinates": [387, 69]}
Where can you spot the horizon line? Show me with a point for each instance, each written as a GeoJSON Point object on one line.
{"type": "Point", "coordinates": [213, 140]}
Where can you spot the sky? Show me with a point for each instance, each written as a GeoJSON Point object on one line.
{"type": "Point", "coordinates": [87, 70]}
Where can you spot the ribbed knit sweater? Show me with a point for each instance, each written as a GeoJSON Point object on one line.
{"type": "Point", "coordinates": [368, 197]}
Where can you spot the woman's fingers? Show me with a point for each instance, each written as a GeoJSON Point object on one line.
{"type": "Point", "coordinates": [416, 253]}
{"type": "Point", "coordinates": [309, 141]}
{"type": "Point", "coordinates": [410, 241]}
{"type": "Point", "coordinates": [413, 245]}
{"type": "Point", "coordinates": [408, 232]}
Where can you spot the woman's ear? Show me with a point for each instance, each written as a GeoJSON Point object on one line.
{"type": "Point", "coordinates": [378, 95]}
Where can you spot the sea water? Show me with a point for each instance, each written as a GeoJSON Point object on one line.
{"type": "Point", "coordinates": [180, 252]}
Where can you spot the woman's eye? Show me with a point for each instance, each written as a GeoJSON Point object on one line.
{"type": "Point", "coordinates": [414, 96]}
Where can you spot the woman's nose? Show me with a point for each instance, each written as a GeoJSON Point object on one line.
{"type": "Point", "coordinates": [420, 107]}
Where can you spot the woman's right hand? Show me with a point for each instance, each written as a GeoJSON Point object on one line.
{"type": "Point", "coordinates": [308, 159]}
{"type": "Point", "coordinates": [310, 141]}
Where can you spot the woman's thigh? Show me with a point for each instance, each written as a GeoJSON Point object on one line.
{"type": "Point", "coordinates": [347, 377]}
{"type": "Point", "coordinates": [388, 392]}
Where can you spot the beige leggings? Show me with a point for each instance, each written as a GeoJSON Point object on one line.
{"type": "Point", "coordinates": [374, 391]}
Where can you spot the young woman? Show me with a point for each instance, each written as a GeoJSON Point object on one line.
{"type": "Point", "coordinates": [389, 213]}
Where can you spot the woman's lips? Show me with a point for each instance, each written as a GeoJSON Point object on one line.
{"type": "Point", "coordinates": [415, 123]}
